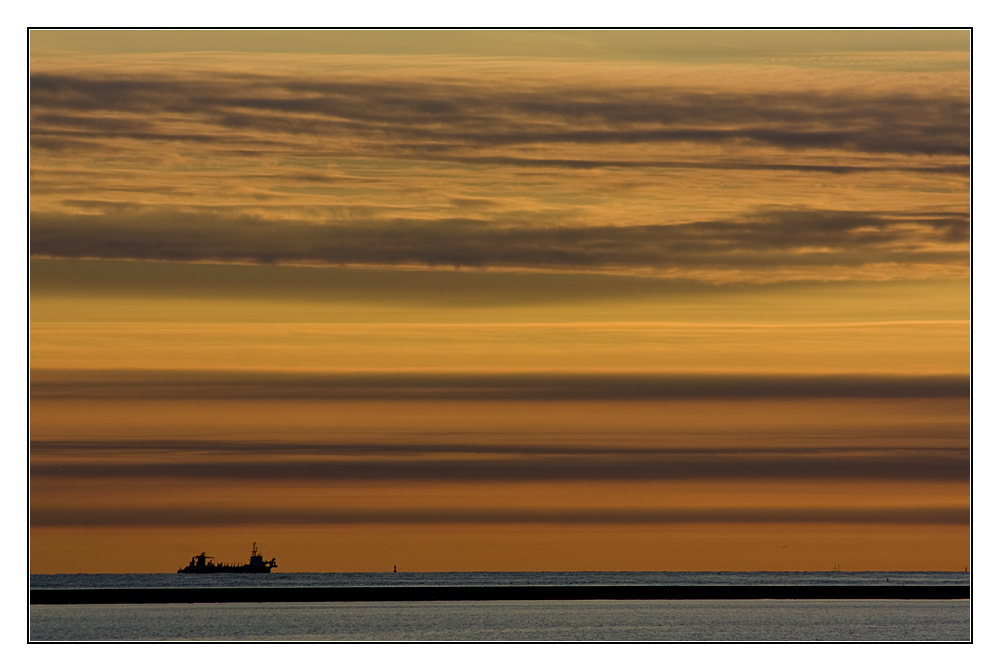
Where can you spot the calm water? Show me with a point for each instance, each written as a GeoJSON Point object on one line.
{"type": "Point", "coordinates": [708, 620]}
{"type": "Point", "coordinates": [497, 578]}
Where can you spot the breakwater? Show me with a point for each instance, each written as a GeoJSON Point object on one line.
{"type": "Point", "coordinates": [491, 593]}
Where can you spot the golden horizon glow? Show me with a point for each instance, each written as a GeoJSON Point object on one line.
{"type": "Point", "coordinates": [502, 300]}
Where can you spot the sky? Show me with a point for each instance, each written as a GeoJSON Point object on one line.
{"type": "Point", "coordinates": [501, 300]}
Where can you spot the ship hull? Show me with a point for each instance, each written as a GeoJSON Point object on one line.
{"type": "Point", "coordinates": [227, 569]}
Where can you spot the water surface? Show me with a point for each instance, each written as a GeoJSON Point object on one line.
{"type": "Point", "coordinates": [869, 620]}
{"type": "Point", "coordinates": [597, 620]}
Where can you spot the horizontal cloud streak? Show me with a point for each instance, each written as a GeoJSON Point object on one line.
{"type": "Point", "coordinates": [478, 463]}
{"type": "Point", "coordinates": [774, 238]}
{"type": "Point", "coordinates": [598, 163]}
{"type": "Point", "coordinates": [460, 115]}
{"type": "Point", "coordinates": [539, 386]}
{"type": "Point", "coordinates": [195, 517]}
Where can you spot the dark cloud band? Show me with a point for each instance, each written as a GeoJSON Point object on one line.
{"type": "Point", "coordinates": [535, 387]}
{"type": "Point", "coordinates": [198, 517]}
{"type": "Point", "coordinates": [766, 239]}
{"type": "Point", "coordinates": [453, 118]}
{"type": "Point", "coordinates": [478, 463]}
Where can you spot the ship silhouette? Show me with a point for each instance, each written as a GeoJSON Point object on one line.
{"type": "Point", "coordinates": [203, 564]}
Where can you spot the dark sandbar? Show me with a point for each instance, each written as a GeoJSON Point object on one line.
{"type": "Point", "coordinates": [492, 593]}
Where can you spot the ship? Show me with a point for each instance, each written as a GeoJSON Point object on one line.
{"type": "Point", "coordinates": [203, 564]}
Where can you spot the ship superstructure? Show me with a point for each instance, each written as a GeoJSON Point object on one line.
{"type": "Point", "coordinates": [205, 564]}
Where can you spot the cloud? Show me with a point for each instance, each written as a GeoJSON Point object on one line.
{"type": "Point", "coordinates": [681, 171]}
{"type": "Point", "coordinates": [126, 279]}
{"type": "Point", "coordinates": [768, 238]}
{"type": "Point", "coordinates": [542, 386]}
{"type": "Point", "coordinates": [962, 169]}
{"type": "Point", "coordinates": [477, 114]}
{"type": "Point", "coordinates": [484, 463]}
{"type": "Point", "coordinates": [255, 515]}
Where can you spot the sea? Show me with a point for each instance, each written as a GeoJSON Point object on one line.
{"type": "Point", "coordinates": [594, 620]}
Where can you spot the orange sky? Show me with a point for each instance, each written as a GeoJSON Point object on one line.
{"type": "Point", "coordinates": [503, 301]}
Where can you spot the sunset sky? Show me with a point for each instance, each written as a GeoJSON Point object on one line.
{"type": "Point", "coordinates": [460, 301]}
